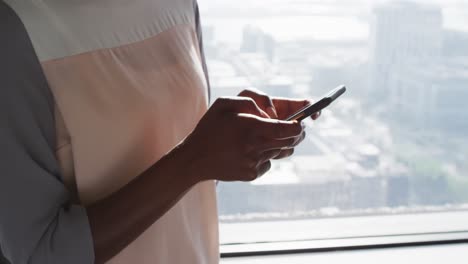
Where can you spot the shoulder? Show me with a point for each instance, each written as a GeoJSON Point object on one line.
{"type": "Point", "coordinates": [65, 28]}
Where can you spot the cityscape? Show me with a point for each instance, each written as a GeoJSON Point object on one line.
{"type": "Point", "coordinates": [395, 143]}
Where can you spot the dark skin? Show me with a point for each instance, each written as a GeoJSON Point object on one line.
{"type": "Point", "coordinates": [278, 108]}
{"type": "Point", "coordinates": [238, 136]}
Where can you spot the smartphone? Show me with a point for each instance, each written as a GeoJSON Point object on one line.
{"type": "Point", "coordinates": [319, 105]}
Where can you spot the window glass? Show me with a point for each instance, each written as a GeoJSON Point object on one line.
{"type": "Point", "coordinates": [395, 143]}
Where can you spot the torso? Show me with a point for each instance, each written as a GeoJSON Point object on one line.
{"type": "Point", "coordinates": [129, 85]}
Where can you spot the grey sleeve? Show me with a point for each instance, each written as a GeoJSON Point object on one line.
{"type": "Point", "coordinates": [38, 224]}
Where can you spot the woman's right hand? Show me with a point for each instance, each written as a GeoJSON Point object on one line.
{"type": "Point", "coordinates": [235, 140]}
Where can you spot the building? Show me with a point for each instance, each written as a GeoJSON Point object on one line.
{"type": "Point", "coordinates": [254, 40]}
{"type": "Point", "coordinates": [402, 33]}
{"type": "Point", "coordinates": [455, 43]}
{"type": "Point", "coordinates": [419, 72]}
{"type": "Point", "coordinates": [432, 96]}
{"type": "Point", "coordinates": [225, 80]}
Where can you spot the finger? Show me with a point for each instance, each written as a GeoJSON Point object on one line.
{"type": "Point", "coordinates": [315, 116]}
{"type": "Point", "coordinates": [285, 154]}
{"type": "Point", "coordinates": [240, 105]}
{"type": "Point", "coordinates": [271, 111]}
{"type": "Point", "coordinates": [278, 129]}
{"type": "Point", "coordinates": [275, 144]}
{"type": "Point", "coordinates": [263, 168]}
{"type": "Point", "coordinates": [299, 139]}
{"type": "Point", "coordinates": [286, 107]}
{"type": "Point", "coordinates": [269, 154]}
{"type": "Point", "coordinates": [262, 100]}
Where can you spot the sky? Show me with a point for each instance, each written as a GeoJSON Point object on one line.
{"type": "Point", "coordinates": [320, 20]}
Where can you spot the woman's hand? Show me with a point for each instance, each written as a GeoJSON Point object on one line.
{"type": "Point", "coordinates": [235, 140]}
{"type": "Point", "coordinates": [278, 108]}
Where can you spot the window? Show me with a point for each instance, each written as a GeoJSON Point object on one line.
{"type": "Point", "coordinates": [388, 158]}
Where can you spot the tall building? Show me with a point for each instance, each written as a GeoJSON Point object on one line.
{"type": "Point", "coordinates": [455, 43]}
{"type": "Point", "coordinates": [402, 33]}
{"type": "Point", "coordinates": [256, 41]}
{"type": "Point", "coordinates": [413, 77]}
{"type": "Point", "coordinates": [431, 96]}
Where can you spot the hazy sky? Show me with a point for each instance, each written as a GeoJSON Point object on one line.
{"type": "Point", "coordinates": [322, 20]}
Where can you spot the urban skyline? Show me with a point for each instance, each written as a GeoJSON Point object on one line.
{"type": "Point", "coordinates": [389, 143]}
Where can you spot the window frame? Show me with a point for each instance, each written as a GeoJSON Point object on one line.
{"type": "Point", "coordinates": [350, 243]}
